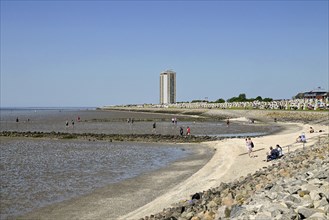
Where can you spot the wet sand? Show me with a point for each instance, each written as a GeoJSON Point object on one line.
{"type": "Point", "coordinates": [116, 200]}
{"type": "Point", "coordinates": [115, 122]}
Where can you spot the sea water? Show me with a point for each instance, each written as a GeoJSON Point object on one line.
{"type": "Point", "coordinates": [39, 172]}
{"type": "Point", "coordinates": [115, 122]}
{"type": "Point", "coordinates": [36, 173]}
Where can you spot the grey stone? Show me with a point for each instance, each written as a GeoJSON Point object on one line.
{"type": "Point", "coordinates": [318, 216]}
{"type": "Point", "coordinates": [305, 212]}
{"type": "Point", "coordinates": [282, 217]}
{"type": "Point", "coordinates": [254, 208]}
{"type": "Point", "coordinates": [315, 182]}
{"type": "Point", "coordinates": [277, 188]}
{"type": "Point", "coordinates": [212, 204]}
{"type": "Point", "coordinates": [262, 216]}
{"type": "Point", "coordinates": [315, 195]}
{"type": "Point", "coordinates": [221, 212]}
{"type": "Point", "coordinates": [322, 202]}
{"type": "Point", "coordinates": [268, 186]}
{"type": "Point", "coordinates": [307, 204]}
{"type": "Point", "coordinates": [309, 174]}
{"type": "Point", "coordinates": [292, 198]}
{"type": "Point", "coordinates": [272, 195]}
{"type": "Point", "coordinates": [322, 175]}
{"type": "Point", "coordinates": [293, 189]}
{"type": "Point", "coordinates": [237, 210]}
{"type": "Point", "coordinates": [309, 187]}
{"type": "Point", "coordinates": [275, 213]}
{"type": "Point", "coordinates": [190, 215]}
{"type": "Point", "coordinates": [325, 209]}
{"type": "Point", "coordinates": [281, 207]}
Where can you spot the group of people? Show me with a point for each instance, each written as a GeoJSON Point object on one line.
{"type": "Point", "coordinates": [17, 120]}
{"type": "Point", "coordinates": [274, 153]}
{"type": "Point", "coordinates": [181, 130]}
{"type": "Point", "coordinates": [250, 146]}
{"type": "Point", "coordinates": [67, 124]}
{"type": "Point", "coordinates": [130, 120]}
{"type": "Point", "coordinates": [312, 130]}
{"type": "Point", "coordinates": [301, 138]}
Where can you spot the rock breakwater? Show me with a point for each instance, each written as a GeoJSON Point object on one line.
{"type": "Point", "coordinates": [294, 187]}
{"type": "Point", "coordinates": [111, 137]}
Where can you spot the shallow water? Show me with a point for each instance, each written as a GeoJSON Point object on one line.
{"type": "Point", "coordinates": [35, 173]}
{"type": "Point", "coordinates": [115, 122]}
{"type": "Point", "coordinates": [39, 172]}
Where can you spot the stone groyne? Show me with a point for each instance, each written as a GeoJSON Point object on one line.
{"type": "Point", "coordinates": [111, 137]}
{"type": "Point", "coordinates": [293, 187]}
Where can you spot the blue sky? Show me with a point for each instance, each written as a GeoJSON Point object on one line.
{"type": "Point", "coordinates": [96, 53]}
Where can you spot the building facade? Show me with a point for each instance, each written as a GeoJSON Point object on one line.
{"type": "Point", "coordinates": [168, 87]}
{"type": "Point", "coordinates": [318, 93]}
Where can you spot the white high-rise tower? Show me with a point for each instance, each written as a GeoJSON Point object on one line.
{"type": "Point", "coordinates": [168, 87]}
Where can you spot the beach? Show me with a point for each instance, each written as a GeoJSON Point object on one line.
{"type": "Point", "coordinates": [213, 163]}
{"type": "Point", "coordinates": [229, 163]}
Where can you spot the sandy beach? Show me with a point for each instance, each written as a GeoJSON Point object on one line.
{"type": "Point", "coordinates": [230, 162]}
{"type": "Point", "coordinates": [151, 193]}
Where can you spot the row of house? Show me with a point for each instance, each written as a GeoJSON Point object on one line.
{"type": "Point", "coordinates": [319, 94]}
{"type": "Point", "coordinates": [294, 104]}
{"type": "Point", "coordinates": [312, 100]}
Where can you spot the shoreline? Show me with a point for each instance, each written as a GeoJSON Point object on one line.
{"type": "Point", "coordinates": [152, 192]}
{"type": "Point", "coordinates": [148, 196]}
{"type": "Point", "coordinates": [235, 165]}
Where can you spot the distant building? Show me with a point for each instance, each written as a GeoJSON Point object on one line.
{"type": "Point", "coordinates": [168, 87]}
{"type": "Point", "coordinates": [313, 94]}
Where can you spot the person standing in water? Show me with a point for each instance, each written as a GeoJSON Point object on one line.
{"type": "Point", "coordinates": [154, 128]}
{"type": "Point", "coordinates": [188, 131]}
{"type": "Point", "coordinates": [181, 131]}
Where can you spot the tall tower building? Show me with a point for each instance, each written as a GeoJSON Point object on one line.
{"type": "Point", "coordinates": [168, 87]}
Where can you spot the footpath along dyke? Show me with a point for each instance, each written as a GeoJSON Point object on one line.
{"type": "Point", "coordinates": [294, 187]}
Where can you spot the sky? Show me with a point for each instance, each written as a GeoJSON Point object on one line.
{"type": "Point", "coordinates": [99, 53]}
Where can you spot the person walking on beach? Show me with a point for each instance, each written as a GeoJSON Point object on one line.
{"type": "Point", "coordinates": [228, 122]}
{"type": "Point", "coordinates": [249, 147]}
